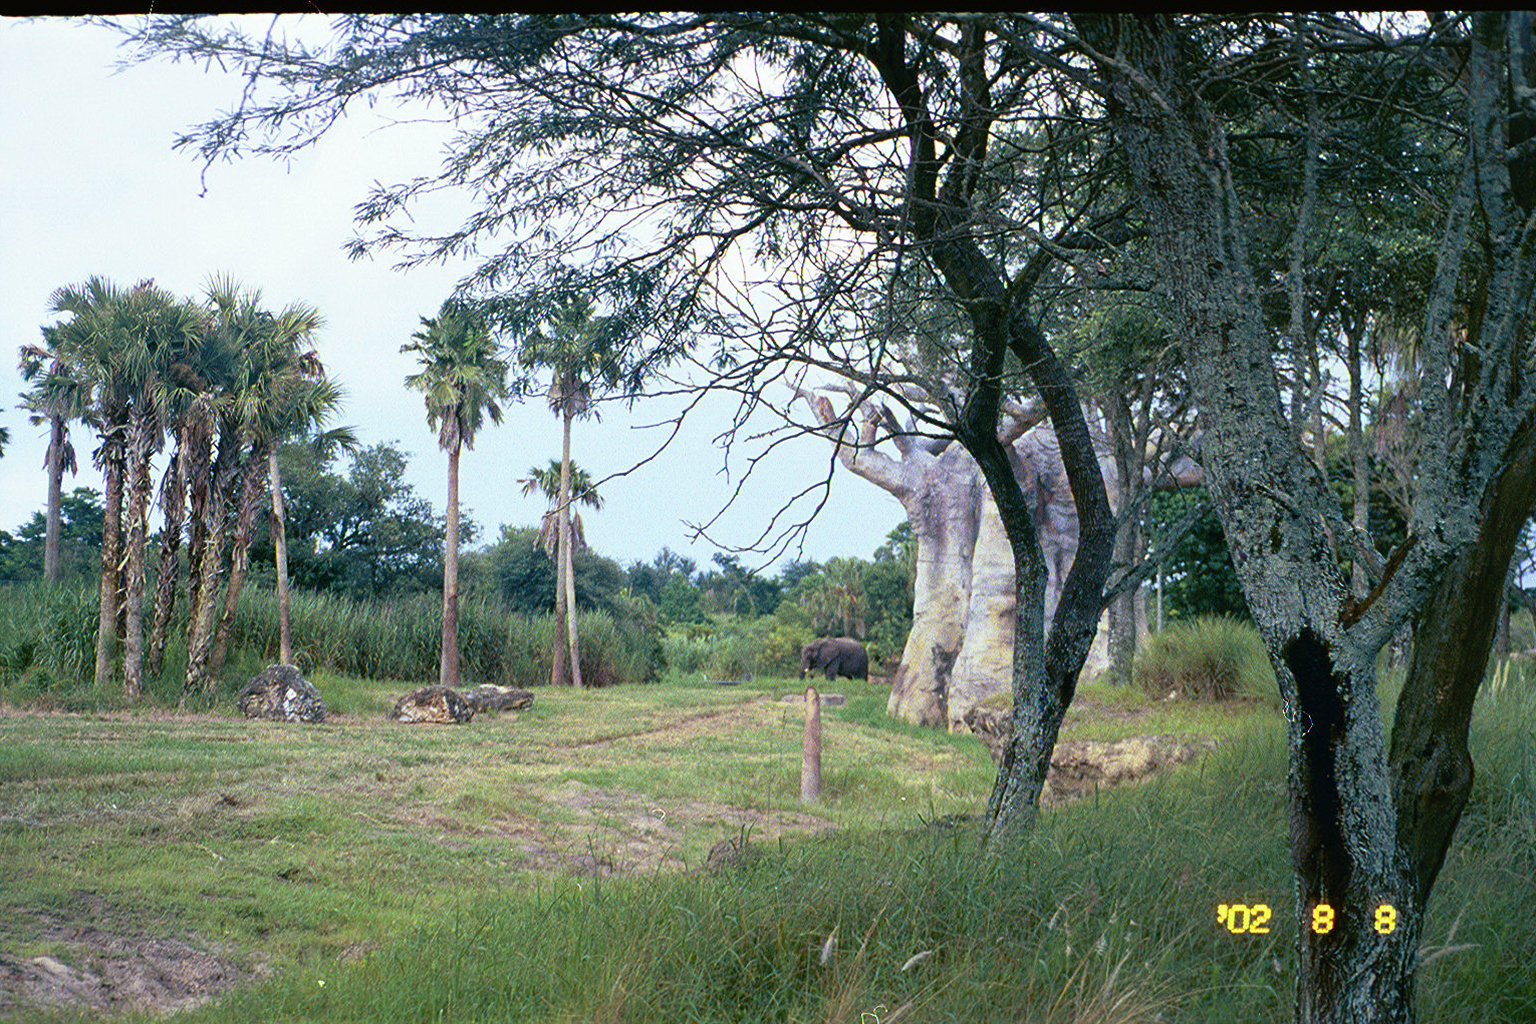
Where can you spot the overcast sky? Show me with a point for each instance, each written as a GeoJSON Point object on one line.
{"type": "Point", "coordinates": [89, 185]}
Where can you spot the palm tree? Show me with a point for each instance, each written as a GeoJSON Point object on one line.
{"type": "Point", "coordinates": [90, 341]}
{"type": "Point", "coordinates": [462, 379]}
{"type": "Point", "coordinates": [233, 324]}
{"type": "Point", "coordinates": [547, 482]}
{"type": "Point", "coordinates": [160, 329]}
{"type": "Point", "coordinates": [58, 396]}
{"type": "Point", "coordinates": [280, 390]}
{"type": "Point", "coordinates": [581, 350]}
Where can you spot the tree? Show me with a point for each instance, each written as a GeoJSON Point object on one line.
{"type": "Point", "coordinates": [462, 380]}
{"type": "Point", "coordinates": [1371, 818]}
{"type": "Point", "coordinates": [58, 397]}
{"type": "Point", "coordinates": [581, 351]}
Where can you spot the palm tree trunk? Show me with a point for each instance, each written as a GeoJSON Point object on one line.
{"type": "Point", "coordinates": [55, 466]}
{"type": "Point", "coordinates": [280, 546]}
{"type": "Point", "coordinates": [566, 553]}
{"type": "Point", "coordinates": [173, 501]}
{"type": "Point", "coordinates": [240, 557]}
{"type": "Point", "coordinates": [137, 537]}
{"type": "Point", "coordinates": [448, 669]}
{"type": "Point", "coordinates": [201, 621]}
{"type": "Point", "coordinates": [111, 553]}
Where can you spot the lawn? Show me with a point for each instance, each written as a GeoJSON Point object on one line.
{"type": "Point", "coordinates": [550, 866]}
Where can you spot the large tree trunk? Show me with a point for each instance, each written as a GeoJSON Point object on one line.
{"type": "Point", "coordinates": [448, 662]}
{"type": "Point", "coordinates": [173, 501]}
{"type": "Point", "coordinates": [943, 508]}
{"type": "Point", "coordinates": [137, 538]}
{"type": "Point", "coordinates": [111, 556]}
{"type": "Point", "coordinates": [280, 546]}
{"type": "Point", "coordinates": [985, 665]}
{"type": "Point", "coordinates": [240, 555]}
{"type": "Point", "coordinates": [568, 561]}
{"type": "Point", "coordinates": [1366, 831]}
{"type": "Point", "coordinates": [54, 464]}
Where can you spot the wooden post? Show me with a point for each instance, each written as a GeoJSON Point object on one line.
{"type": "Point", "coordinates": [810, 760]}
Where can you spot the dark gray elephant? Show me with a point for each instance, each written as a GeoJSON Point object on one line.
{"type": "Point", "coordinates": [837, 655]}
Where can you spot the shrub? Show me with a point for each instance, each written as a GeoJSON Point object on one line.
{"type": "Point", "coordinates": [1210, 658]}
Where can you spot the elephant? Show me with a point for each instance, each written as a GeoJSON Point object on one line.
{"type": "Point", "coordinates": [838, 656]}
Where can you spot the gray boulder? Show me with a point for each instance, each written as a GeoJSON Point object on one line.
{"type": "Point", "coordinates": [278, 693]}
{"type": "Point", "coordinates": [487, 698]}
{"type": "Point", "coordinates": [438, 704]}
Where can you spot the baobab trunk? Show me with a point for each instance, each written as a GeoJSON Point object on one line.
{"type": "Point", "coordinates": [943, 510]}
{"type": "Point", "coordinates": [985, 665]}
{"type": "Point", "coordinates": [448, 665]}
{"type": "Point", "coordinates": [280, 546]}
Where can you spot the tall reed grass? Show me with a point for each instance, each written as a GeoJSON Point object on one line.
{"type": "Point", "coordinates": [48, 633]}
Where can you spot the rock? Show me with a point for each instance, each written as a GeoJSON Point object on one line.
{"type": "Point", "coordinates": [439, 704]}
{"type": "Point", "coordinates": [280, 694]}
{"type": "Point", "coordinates": [1078, 767]}
{"type": "Point", "coordinates": [828, 700]}
{"type": "Point", "coordinates": [992, 725]}
{"type": "Point", "coordinates": [486, 698]}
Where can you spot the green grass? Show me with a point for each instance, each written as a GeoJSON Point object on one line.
{"type": "Point", "coordinates": [399, 866]}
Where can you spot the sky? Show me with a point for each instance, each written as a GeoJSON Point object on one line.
{"type": "Point", "coordinates": [90, 185]}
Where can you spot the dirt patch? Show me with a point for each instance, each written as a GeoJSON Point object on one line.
{"type": "Point", "coordinates": [115, 969]}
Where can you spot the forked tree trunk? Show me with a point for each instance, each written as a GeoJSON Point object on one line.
{"type": "Point", "coordinates": [448, 666]}
{"type": "Point", "coordinates": [1369, 827]}
{"type": "Point", "coordinates": [173, 501]}
{"type": "Point", "coordinates": [111, 555]}
{"type": "Point", "coordinates": [280, 546]}
{"type": "Point", "coordinates": [240, 556]}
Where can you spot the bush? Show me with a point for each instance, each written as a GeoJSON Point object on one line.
{"type": "Point", "coordinates": [1210, 658]}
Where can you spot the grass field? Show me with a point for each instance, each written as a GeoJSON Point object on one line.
{"type": "Point", "coordinates": [547, 867]}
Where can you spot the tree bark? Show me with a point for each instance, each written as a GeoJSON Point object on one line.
{"type": "Point", "coordinates": [111, 555]}
{"type": "Point", "coordinates": [54, 464]}
{"type": "Point", "coordinates": [173, 501]}
{"type": "Point", "coordinates": [1367, 830]}
{"type": "Point", "coordinates": [240, 556]}
{"type": "Point", "coordinates": [448, 668]}
{"type": "Point", "coordinates": [138, 485]}
{"type": "Point", "coordinates": [567, 555]}
{"type": "Point", "coordinates": [280, 547]}
{"type": "Point", "coordinates": [200, 627]}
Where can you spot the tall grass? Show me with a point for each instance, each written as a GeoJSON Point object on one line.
{"type": "Point", "coordinates": [47, 641]}
{"type": "Point", "coordinates": [1209, 658]}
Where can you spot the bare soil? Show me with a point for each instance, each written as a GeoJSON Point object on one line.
{"type": "Point", "coordinates": [110, 965]}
